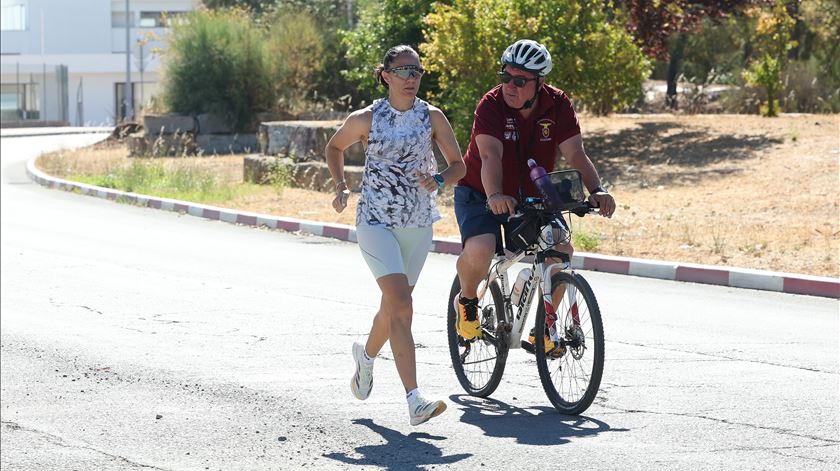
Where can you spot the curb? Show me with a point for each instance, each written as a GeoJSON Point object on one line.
{"type": "Point", "coordinates": [675, 271]}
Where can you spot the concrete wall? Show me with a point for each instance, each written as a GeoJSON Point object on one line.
{"type": "Point", "coordinates": [98, 96]}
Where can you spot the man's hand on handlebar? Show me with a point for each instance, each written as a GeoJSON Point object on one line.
{"type": "Point", "coordinates": [499, 203]}
{"type": "Point", "coordinates": [604, 202]}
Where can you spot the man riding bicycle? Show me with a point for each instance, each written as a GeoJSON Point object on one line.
{"type": "Point", "coordinates": [522, 118]}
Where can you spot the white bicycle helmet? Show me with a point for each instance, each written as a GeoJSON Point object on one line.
{"type": "Point", "coordinates": [528, 55]}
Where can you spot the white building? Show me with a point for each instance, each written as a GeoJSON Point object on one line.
{"type": "Point", "coordinates": [65, 60]}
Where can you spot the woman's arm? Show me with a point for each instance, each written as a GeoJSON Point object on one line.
{"type": "Point", "coordinates": [445, 138]}
{"type": "Point", "coordinates": [354, 129]}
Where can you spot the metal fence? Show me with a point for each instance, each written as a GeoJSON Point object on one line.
{"type": "Point", "coordinates": [33, 93]}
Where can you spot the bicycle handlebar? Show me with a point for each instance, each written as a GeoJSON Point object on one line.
{"type": "Point", "coordinates": [533, 207]}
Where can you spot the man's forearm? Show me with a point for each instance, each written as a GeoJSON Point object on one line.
{"type": "Point", "coordinates": [581, 162]}
{"type": "Point", "coordinates": [491, 176]}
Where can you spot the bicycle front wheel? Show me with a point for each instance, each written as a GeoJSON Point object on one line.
{"type": "Point", "coordinates": [571, 371]}
{"type": "Point", "coordinates": [479, 363]}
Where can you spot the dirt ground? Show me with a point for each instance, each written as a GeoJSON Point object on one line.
{"type": "Point", "coordinates": [730, 190]}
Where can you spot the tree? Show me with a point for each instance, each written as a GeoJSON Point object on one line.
{"type": "Point", "coordinates": [295, 51]}
{"type": "Point", "coordinates": [217, 62]}
{"type": "Point", "coordinates": [654, 22]}
{"type": "Point", "coordinates": [773, 37]}
{"type": "Point", "coordinates": [822, 18]}
{"type": "Point", "coordinates": [383, 25]}
{"type": "Point", "coordinates": [596, 62]}
{"type": "Point", "coordinates": [332, 18]}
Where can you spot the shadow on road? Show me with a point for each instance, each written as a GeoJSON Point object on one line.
{"type": "Point", "coordinates": [545, 427]}
{"type": "Point", "coordinates": [403, 452]}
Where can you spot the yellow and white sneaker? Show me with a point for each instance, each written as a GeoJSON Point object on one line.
{"type": "Point", "coordinates": [549, 346]}
{"type": "Point", "coordinates": [466, 323]}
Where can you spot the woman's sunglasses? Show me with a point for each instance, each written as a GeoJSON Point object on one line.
{"type": "Point", "coordinates": [406, 72]}
{"type": "Point", "coordinates": [518, 80]}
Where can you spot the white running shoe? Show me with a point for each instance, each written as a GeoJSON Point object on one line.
{"type": "Point", "coordinates": [362, 381]}
{"type": "Point", "coordinates": [422, 410]}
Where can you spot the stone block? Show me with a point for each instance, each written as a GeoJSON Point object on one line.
{"type": "Point", "coordinates": [219, 144]}
{"type": "Point", "coordinates": [304, 140]}
{"type": "Point", "coordinates": [168, 124]}
{"type": "Point", "coordinates": [211, 123]}
{"type": "Point", "coordinates": [136, 144]}
{"type": "Point", "coordinates": [307, 175]}
{"type": "Point", "coordinates": [316, 176]}
{"type": "Point", "coordinates": [170, 145]}
{"type": "Point", "coordinates": [259, 168]}
{"type": "Point", "coordinates": [354, 155]}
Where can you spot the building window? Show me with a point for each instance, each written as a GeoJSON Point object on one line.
{"type": "Point", "coordinates": [159, 19]}
{"type": "Point", "coordinates": [119, 100]}
{"type": "Point", "coordinates": [13, 15]}
{"type": "Point", "coordinates": [19, 102]}
{"type": "Point", "coordinates": [151, 19]}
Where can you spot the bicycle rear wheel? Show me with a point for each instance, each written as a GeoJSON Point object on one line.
{"type": "Point", "coordinates": [571, 375]}
{"type": "Point", "coordinates": [479, 363]}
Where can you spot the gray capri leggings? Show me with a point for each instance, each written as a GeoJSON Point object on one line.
{"type": "Point", "coordinates": [395, 249]}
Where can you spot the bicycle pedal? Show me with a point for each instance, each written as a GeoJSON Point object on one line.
{"type": "Point", "coordinates": [528, 347]}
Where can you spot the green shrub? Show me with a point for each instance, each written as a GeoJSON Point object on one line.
{"type": "Point", "coordinates": [772, 35]}
{"type": "Point", "coordinates": [586, 241]}
{"type": "Point", "coordinates": [596, 62]}
{"type": "Point", "coordinates": [294, 50]}
{"type": "Point", "coordinates": [279, 175]}
{"type": "Point", "coordinates": [183, 182]}
{"type": "Point", "coordinates": [217, 63]}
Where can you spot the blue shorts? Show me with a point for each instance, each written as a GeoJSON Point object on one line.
{"type": "Point", "coordinates": [475, 219]}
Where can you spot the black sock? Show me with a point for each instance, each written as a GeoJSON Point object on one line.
{"type": "Point", "coordinates": [466, 301]}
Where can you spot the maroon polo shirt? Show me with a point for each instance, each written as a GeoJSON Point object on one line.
{"type": "Point", "coordinates": [536, 138]}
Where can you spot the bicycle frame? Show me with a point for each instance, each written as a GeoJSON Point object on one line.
{"type": "Point", "coordinates": [540, 276]}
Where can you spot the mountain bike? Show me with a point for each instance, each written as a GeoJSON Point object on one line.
{"type": "Point", "coordinates": [570, 368]}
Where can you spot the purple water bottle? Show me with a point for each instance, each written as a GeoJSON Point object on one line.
{"type": "Point", "coordinates": [548, 193]}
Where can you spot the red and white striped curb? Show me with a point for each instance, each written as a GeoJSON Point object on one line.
{"type": "Point", "coordinates": [676, 271]}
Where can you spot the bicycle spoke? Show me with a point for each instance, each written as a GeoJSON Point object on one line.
{"type": "Point", "coordinates": [572, 381]}
{"type": "Point", "coordinates": [479, 363]}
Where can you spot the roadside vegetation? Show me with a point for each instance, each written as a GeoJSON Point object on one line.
{"type": "Point", "coordinates": [714, 189]}
{"type": "Point", "coordinates": [669, 95]}
{"type": "Point", "coordinates": [207, 180]}
{"type": "Point", "coordinates": [252, 59]}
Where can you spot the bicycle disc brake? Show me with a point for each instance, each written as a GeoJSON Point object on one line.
{"type": "Point", "coordinates": [577, 341]}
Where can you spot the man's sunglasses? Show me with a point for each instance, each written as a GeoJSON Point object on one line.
{"type": "Point", "coordinates": [518, 80]}
{"type": "Point", "coordinates": [406, 72]}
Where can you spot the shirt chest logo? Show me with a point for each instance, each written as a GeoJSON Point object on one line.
{"type": "Point", "coordinates": [544, 128]}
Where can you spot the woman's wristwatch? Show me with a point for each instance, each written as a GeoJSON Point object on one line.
{"type": "Point", "coordinates": [439, 179]}
{"type": "Point", "coordinates": [597, 189]}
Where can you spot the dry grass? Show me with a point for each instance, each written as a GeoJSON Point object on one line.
{"type": "Point", "coordinates": [715, 189]}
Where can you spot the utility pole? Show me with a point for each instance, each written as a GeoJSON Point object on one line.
{"type": "Point", "coordinates": [129, 98]}
{"type": "Point", "coordinates": [141, 66]}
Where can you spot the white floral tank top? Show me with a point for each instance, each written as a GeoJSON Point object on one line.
{"type": "Point", "coordinates": [399, 143]}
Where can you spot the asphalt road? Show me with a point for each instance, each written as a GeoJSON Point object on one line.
{"type": "Point", "coordinates": [132, 338]}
